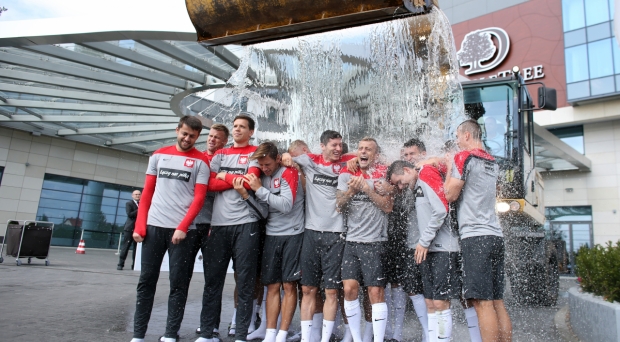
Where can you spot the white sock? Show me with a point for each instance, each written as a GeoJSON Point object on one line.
{"type": "Point", "coordinates": [281, 336]}
{"type": "Point", "coordinates": [338, 331]}
{"type": "Point", "coordinates": [419, 305]}
{"type": "Point", "coordinates": [233, 320]}
{"type": "Point", "coordinates": [444, 325]}
{"type": "Point", "coordinates": [432, 327]}
{"type": "Point", "coordinates": [354, 315]}
{"type": "Point", "coordinates": [170, 339]}
{"type": "Point", "coordinates": [262, 328]}
{"type": "Point", "coordinates": [202, 339]}
{"type": "Point", "coordinates": [270, 335]}
{"type": "Point", "coordinates": [390, 318]}
{"type": "Point", "coordinates": [253, 318]}
{"type": "Point", "coordinates": [306, 330]}
{"type": "Point", "coordinates": [368, 335]}
{"type": "Point", "coordinates": [328, 327]}
{"type": "Point", "coordinates": [379, 320]}
{"type": "Point", "coordinates": [137, 340]}
{"type": "Point", "coordinates": [399, 298]}
{"type": "Point", "coordinates": [347, 334]}
{"type": "Point", "coordinates": [317, 325]}
{"type": "Point", "coordinates": [472, 325]}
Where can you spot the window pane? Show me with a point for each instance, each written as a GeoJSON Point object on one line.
{"type": "Point", "coordinates": [60, 195]}
{"type": "Point", "coordinates": [597, 11]}
{"type": "Point", "coordinates": [572, 14]}
{"type": "Point", "coordinates": [56, 204]}
{"type": "Point", "coordinates": [576, 64]}
{"type": "Point", "coordinates": [603, 86]}
{"type": "Point", "coordinates": [600, 57]}
{"type": "Point", "coordinates": [62, 184]}
{"type": "Point", "coordinates": [598, 32]}
{"type": "Point", "coordinates": [576, 37]}
{"type": "Point", "coordinates": [578, 90]}
{"type": "Point", "coordinates": [616, 50]}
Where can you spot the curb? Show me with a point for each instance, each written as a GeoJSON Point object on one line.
{"type": "Point", "coordinates": [561, 322]}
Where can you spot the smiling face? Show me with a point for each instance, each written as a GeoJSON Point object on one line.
{"type": "Point", "coordinates": [367, 154]}
{"type": "Point", "coordinates": [241, 132]}
{"type": "Point", "coordinates": [215, 141]}
{"type": "Point", "coordinates": [407, 179]}
{"type": "Point", "coordinates": [186, 138]}
{"type": "Point", "coordinates": [412, 154]}
{"type": "Point", "coordinates": [332, 151]}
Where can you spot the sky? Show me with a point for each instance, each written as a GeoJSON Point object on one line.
{"type": "Point", "coordinates": [40, 9]}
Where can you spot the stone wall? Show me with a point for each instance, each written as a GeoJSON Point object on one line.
{"type": "Point", "coordinates": [592, 318]}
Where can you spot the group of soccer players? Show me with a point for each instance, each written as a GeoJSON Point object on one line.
{"type": "Point", "coordinates": [332, 226]}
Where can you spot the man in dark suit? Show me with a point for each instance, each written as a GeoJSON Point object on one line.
{"type": "Point", "coordinates": [131, 207]}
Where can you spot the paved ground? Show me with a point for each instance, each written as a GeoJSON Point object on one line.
{"type": "Point", "coordinates": [84, 298]}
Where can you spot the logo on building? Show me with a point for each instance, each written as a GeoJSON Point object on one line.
{"type": "Point", "coordinates": [480, 52]}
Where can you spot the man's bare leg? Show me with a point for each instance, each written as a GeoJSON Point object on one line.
{"type": "Point", "coordinates": [487, 319]}
{"type": "Point", "coordinates": [308, 303]}
{"type": "Point", "coordinates": [330, 307]}
{"type": "Point", "coordinates": [505, 325]}
{"type": "Point", "coordinates": [352, 308]}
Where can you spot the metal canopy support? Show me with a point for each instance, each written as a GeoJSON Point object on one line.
{"type": "Point", "coordinates": [146, 61]}
{"type": "Point", "coordinates": [83, 85]}
{"type": "Point", "coordinates": [80, 95]}
{"type": "Point", "coordinates": [84, 73]}
{"type": "Point", "coordinates": [118, 129]}
{"type": "Point", "coordinates": [88, 107]}
{"type": "Point", "coordinates": [93, 119]}
{"type": "Point", "coordinates": [560, 149]}
{"type": "Point", "coordinates": [140, 138]}
{"type": "Point", "coordinates": [97, 62]}
{"type": "Point", "coordinates": [224, 54]}
{"type": "Point", "coordinates": [178, 54]}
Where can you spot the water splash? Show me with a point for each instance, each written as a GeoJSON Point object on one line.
{"type": "Point", "coordinates": [393, 81]}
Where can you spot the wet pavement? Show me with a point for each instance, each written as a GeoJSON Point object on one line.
{"type": "Point", "coordinates": [84, 298]}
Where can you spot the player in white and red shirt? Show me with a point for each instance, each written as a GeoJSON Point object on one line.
{"type": "Point", "coordinates": [471, 183]}
{"type": "Point", "coordinates": [234, 232]}
{"type": "Point", "coordinates": [174, 192]}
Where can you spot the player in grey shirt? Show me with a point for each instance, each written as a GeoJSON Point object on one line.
{"type": "Point", "coordinates": [471, 183]}
{"type": "Point", "coordinates": [366, 219]}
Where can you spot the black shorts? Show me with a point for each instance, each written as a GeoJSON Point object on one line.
{"type": "Point", "coordinates": [412, 283]}
{"type": "Point", "coordinates": [281, 259]}
{"type": "Point", "coordinates": [483, 267]}
{"type": "Point", "coordinates": [396, 256]}
{"type": "Point", "coordinates": [321, 257]}
{"type": "Point", "coordinates": [364, 262]}
{"type": "Point", "coordinates": [442, 276]}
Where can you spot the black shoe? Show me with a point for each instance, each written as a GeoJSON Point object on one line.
{"type": "Point", "coordinates": [119, 268]}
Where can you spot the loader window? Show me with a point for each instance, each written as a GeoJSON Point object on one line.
{"type": "Point", "coordinates": [492, 107]}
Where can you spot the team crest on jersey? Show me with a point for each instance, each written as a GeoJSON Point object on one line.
{"type": "Point", "coordinates": [276, 183]}
{"type": "Point", "coordinates": [189, 162]}
{"type": "Point", "coordinates": [336, 168]}
{"type": "Point", "coordinates": [242, 160]}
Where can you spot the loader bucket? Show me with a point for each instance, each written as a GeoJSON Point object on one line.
{"type": "Point", "coordinates": [220, 22]}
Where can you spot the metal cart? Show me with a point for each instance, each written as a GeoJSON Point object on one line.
{"type": "Point", "coordinates": [27, 239]}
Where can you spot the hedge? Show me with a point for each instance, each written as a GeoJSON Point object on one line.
{"type": "Point", "coordinates": [598, 269]}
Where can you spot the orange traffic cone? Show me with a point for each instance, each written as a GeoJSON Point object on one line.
{"type": "Point", "coordinates": [81, 248]}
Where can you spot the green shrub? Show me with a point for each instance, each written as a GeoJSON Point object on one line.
{"type": "Point", "coordinates": [598, 269]}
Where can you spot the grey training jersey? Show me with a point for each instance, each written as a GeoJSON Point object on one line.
{"type": "Point", "coordinates": [284, 194]}
{"type": "Point", "coordinates": [413, 232]}
{"type": "Point", "coordinates": [177, 174]}
{"type": "Point", "coordinates": [476, 204]}
{"type": "Point", "coordinates": [365, 221]}
{"type": "Point", "coordinates": [229, 208]}
{"type": "Point", "coordinates": [204, 216]}
{"type": "Point", "coordinates": [321, 183]}
{"type": "Point", "coordinates": [432, 209]}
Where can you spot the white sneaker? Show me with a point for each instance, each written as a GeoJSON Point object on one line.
{"type": "Point", "coordinates": [232, 329]}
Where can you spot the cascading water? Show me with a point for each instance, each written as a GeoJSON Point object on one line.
{"type": "Point", "coordinates": [393, 81]}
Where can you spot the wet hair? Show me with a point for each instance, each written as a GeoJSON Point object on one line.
{"type": "Point", "coordinates": [373, 140]}
{"type": "Point", "coordinates": [266, 149]}
{"type": "Point", "coordinates": [329, 135]}
{"type": "Point", "coordinates": [221, 128]}
{"type": "Point", "coordinates": [247, 118]}
{"type": "Point", "coordinates": [473, 128]}
{"type": "Point", "coordinates": [345, 148]}
{"type": "Point", "coordinates": [297, 143]}
{"type": "Point", "coordinates": [192, 122]}
{"type": "Point", "coordinates": [397, 168]}
{"type": "Point", "coordinates": [449, 146]}
{"type": "Point", "coordinates": [415, 142]}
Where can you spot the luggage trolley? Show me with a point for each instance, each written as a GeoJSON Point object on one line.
{"type": "Point", "coordinates": [27, 239]}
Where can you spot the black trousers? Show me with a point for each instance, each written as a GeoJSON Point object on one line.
{"type": "Point", "coordinates": [203, 233]}
{"type": "Point", "coordinates": [158, 240]}
{"type": "Point", "coordinates": [128, 241]}
{"type": "Point", "coordinates": [242, 243]}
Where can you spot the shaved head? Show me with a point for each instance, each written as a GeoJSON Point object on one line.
{"type": "Point", "coordinates": [471, 127]}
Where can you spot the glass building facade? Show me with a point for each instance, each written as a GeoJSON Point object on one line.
{"type": "Point", "coordinates": [76, 205]}
{"type": "Point", "coordinates": [591, 51]}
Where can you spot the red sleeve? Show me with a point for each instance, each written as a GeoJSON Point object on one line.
{"type": "Point", "coordinates": [252, 170]}
{"type": "Point", "coordinates": [218, 185]}
{"type": "Point", "coordinates": [200, 192]}
{"type": "Point", "coordinates": [292, 178]}
{"type": "Point", "coordinates": [432, 176]}
{"type": "Point", "coordinates": [460, 159]}
{"type": "Point", "coordinates": [145, 205]}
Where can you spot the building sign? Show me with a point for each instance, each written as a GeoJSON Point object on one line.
{"type": "Point", "coordinates": [481, 53]}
